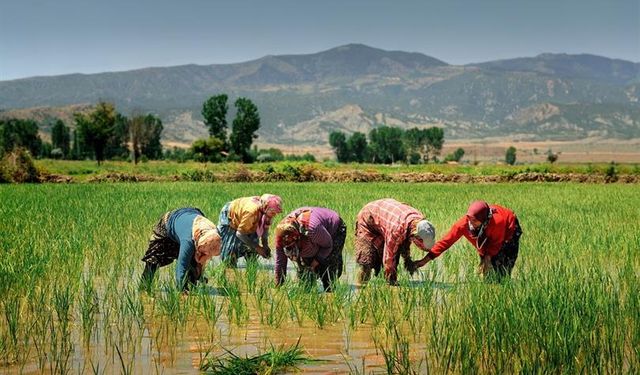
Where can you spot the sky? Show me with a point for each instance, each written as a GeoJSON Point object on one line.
{"type": "Point", "coordinates": [40, 38]}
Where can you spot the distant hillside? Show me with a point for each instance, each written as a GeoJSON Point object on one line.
{"type": "Point", "coordinates": [587, 67]}
{"type": "Point", "coordinates": [302, 98]}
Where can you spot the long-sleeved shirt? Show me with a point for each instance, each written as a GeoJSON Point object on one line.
{"type": "Point", "coordinates": [391, 220]}
{"type": "Point", "coordinates": [321, 227]}
{"type": "Point", "coordinates": [179, 229]}
{"type": "Point", "coordinates": [500, 229]}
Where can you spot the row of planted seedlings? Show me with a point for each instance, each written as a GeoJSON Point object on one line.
{"type": "Point", "coordinates": [566, 317]}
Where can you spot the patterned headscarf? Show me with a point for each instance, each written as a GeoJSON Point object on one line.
{"type": "Point", "coordinates": [271, 202]}
{"type": "Point", "coordinates": [206, 238]}
{"type": "Point", "coordinates": [268, 203]}
{"type": "Point", "coordinates": [287, 233]}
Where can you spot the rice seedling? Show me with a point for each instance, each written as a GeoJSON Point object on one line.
{"type": "Point", "coordinates": [275, 360]}
{"type": "Point", "coordinates": [88, 309]}
{"type": "Point", "coordinates": [209, 309]}
{"type": "Point", "coordinates": [173, 304]}
{"type": "Point", "coordinates": [12, 313]}
{"type": "Point", "coordinates": [236, 307]}
{"type": "Point", "coordinates": [397, 356]}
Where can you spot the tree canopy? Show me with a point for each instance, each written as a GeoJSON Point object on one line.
{"type": "Point", "coordinates": [214, 111]}
{"type": "Point", "coordinates": [245, 126]}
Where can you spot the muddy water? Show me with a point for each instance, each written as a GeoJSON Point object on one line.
{"type": "Point", "coordinates": [157, 345]}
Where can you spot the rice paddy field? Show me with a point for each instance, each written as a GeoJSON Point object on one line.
{"type": "Point", "coordinates": [70, 302]}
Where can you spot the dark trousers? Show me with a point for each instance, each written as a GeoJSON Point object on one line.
{"type": "Point", "coordinates": [162, 251]}
{"type": "Point", "coordinates": [331, 268]}
{"type": "Point", "coordinates": [505, 260]}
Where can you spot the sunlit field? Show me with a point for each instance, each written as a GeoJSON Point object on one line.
{"type": "Point", "coordinates": [71, 262]}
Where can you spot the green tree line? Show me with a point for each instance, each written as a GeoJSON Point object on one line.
{"type": "Point", "coordinates": [386, 145]}
{"type": "Point", "coordinates": [100, 134]}
{"type": "Point", "coordinates": [235, 146]}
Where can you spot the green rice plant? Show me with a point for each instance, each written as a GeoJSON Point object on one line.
{"type": "Point", "coordinates": [12, 307]}
{"type": "Point", "coordinates": [275, 360]}
{"type": "Point", "coordinates": [133, 306]}
{"type": "Point", "coordinates": [259, 294]}
{"type": "Point", "coordinates": [269, 304]}
{"type": "Point", "coordinates": [60, 348]}
{"type": "Point", "coordinates": [173, 304]}
{"type": "Point", "coordinates": [4, 349]}
{"type": "Point", "coordinates": [38, 306]}
{"type": "Point", "coordinates": [209, 309]}
{"type": "Point", "coordinates": [294, 292]}
{"type": "Point", "coordinates": [352, 367]}
{"type": "Point", "coordinates": [316, 308]}
{"type": "Point", "coordinates": [61, 345]}
{"type": "Point", "coordinates": [126, 368]}
{"type": "Point", "coordinates": [275, 315]}
{"type": "Point", "coordinates": [236, 308]}
{"type": "Point", "coordinates": [251, 273]}
{"type": "Point", "coordinates": [95, 368]}
{"type": "Point", "coordinates": [397, 356]}
{"type": "Point", "coordinates": [88, 309]}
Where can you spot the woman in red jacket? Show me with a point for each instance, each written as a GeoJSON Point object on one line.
{"type": "Point", "coordinates": [493, 230]}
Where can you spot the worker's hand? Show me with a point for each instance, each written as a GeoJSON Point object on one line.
{"type": "Point", "coordinates": [485, 266]}
{"type": "Point", "coordinates": [314, 265]}
{"type": "Point", "coordinates": [262, 252]}
{"type": "Point", "coordinates": [392, 277]}
{"type": "Point", "coordinates": [410, 266]}
{"type": "Point", "coordinates": [422, 262]}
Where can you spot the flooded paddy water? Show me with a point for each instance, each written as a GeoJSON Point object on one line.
{"type": "Point", "coordinates": [168, 332]}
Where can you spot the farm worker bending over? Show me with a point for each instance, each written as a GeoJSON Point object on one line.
{"type": "Point", "coordinates": [493, 230]}
{"type": "Point", "coordinates": [313, 238]}
{"type": "Point", "coordinates": [184, 234]}
{"type": "Point", "coordinates": [384, 231]}
{"type": "Point", "coordinates": [244, 226]}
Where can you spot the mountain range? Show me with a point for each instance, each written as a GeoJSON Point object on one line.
{"type": "Point", "coordinates": [302, 98]}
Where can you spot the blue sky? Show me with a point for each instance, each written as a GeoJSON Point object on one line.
{"type": "Point", "coordinates": [88, 36]}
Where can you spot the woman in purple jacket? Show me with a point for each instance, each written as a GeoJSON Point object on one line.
{"type": "Point", "coordinates": [313, 238]}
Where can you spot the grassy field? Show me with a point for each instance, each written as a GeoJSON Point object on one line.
{"type": "Point", "coordinates": [71, 260]}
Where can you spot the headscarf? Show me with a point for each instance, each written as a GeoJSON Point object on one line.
{"type": "Point", "coordinates": [426, 232]}
{"type": "Point", "coordinates": [287, 234]}
{"type": "Point", "coordinates": [479, 210]}
{"type": "Point", "coordinates": [268, 202]}
{"type": "Point", "coordinates": [271, 202]}
{"type": "Point", "coordinates": [206, 239]}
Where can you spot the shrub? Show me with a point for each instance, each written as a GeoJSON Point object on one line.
{"type": "Point", "coordinates": [611, 173]}
{"type": "Point", "coordinates": [510, 156]}
{"type": "Point", "coordinates": [17, 166]}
